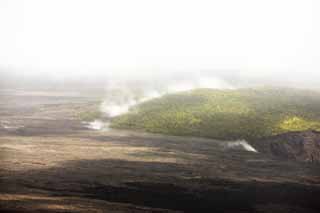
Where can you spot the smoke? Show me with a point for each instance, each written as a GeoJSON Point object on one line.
{"type": "Point", "coordinates": [242, 144]}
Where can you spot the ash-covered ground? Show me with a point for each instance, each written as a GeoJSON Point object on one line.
{"type": "Point", "coordinates": [51, 162]}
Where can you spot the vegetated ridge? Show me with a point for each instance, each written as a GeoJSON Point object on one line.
{"type": "Point", "coordinates": [226, 114]}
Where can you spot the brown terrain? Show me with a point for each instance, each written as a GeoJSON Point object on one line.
{"type": "Point", "coordinates": [51, 162]}
{"type": "Point", "coordinates": [297, 146]}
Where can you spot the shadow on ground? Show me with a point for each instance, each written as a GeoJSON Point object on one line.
{"type": "Point", "coordinates": [161, 185]}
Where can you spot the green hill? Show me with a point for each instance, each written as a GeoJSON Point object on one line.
{"type": "Point", "coordinates": [226, 114]}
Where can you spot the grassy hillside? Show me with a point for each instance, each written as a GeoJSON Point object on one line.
{"type": "Point", "coordinates": [226, 114]}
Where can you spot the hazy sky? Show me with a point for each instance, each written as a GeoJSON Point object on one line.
{"type": "Point", "coordinates": [253, 37]}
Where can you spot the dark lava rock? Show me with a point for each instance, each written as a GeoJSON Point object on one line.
{"type": "Point", "coordinates": [300, 146]}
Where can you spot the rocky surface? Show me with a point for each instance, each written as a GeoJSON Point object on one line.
{"type": "Point", "coordinates": [298, 146]}
{"type": "Point", "coordinates": [49, 162]}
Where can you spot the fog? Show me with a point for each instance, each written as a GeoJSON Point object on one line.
{"type": "Point", "coordinates": [231, 43]}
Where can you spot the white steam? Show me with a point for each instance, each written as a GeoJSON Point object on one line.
{"type": "Point", "coordinates": [201, 82]}
{"type": "Point", "coordinates": [121, 95]}
{"type": "Point", "coordinates": [121, 98]}
{"type": "Point", "coordinates": [242, 144]}
{"type": "Point", "coordinates": [118, 106]}
{"type": "Point", "coordinates": [114, 108]}
{"type": "Point", "coordinates": [9, 126]}
{"type": "Point", "coordinates": [97, 125]}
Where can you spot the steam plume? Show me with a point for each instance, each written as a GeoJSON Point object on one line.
{"type": "Point", "coordinates": [241, 144]}
{"type": "Point", "coordinates": [120, 99]}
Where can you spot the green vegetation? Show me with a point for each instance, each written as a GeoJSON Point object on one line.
{"type": "Point", "coordinates": [226, 114]}
{"type": "Point", "coordinates": [297, 124]}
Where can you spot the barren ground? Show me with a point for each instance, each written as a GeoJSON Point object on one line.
{"type": "Point", "coordinates": [50, 162]}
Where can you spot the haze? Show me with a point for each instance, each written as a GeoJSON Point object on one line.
{"type": "Point", "coordinates": [272, 41]}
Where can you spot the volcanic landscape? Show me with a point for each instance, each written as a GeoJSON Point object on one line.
{"type": "Point", "coordinates": [50, 161]}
